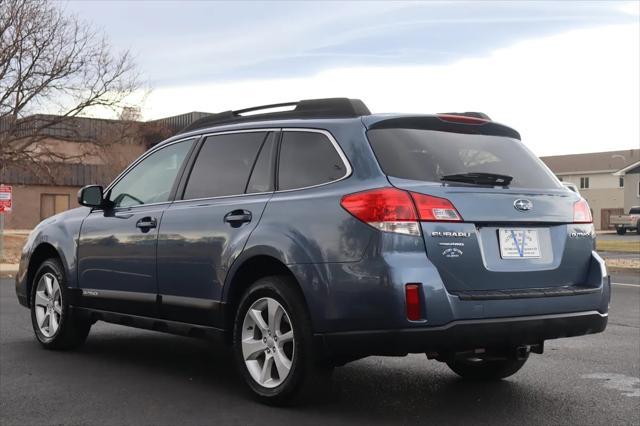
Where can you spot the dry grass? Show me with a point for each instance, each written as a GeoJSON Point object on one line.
{"type": "Point", "coordinates": [12, 248]}
{"type": "Point", "coordinates": [616, 245]}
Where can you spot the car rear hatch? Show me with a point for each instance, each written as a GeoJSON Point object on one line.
{"type": "Point", "coordinates": [505, 226]}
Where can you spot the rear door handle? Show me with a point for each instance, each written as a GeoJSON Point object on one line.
{"type": "Point", "coordinates": [147, 223]}
{"type": "Point", "coordinates": [237, 217]}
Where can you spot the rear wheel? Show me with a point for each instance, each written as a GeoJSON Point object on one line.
{"type": "Point", "coordinates": [485, 369]}
{"type": "Point", "coordinates": [273, 343]}
{"type": "Point", "coordinates": [54, 325]}
{"type": "Point", "coordinates": [621, 230]}
{"type": "Point", "coordinates": [638, 227]}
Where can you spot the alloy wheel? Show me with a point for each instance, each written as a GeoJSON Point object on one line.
{"type": "Point", "coordinates": [267, 342]}
{"type": "Point", "coordinates": [48, 304]}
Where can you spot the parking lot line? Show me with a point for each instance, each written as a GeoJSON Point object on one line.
{"type": "Point", "coordinates": [626, 284]}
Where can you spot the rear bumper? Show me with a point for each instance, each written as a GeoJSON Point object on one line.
{"type": "Point", "coordinates": [462, 335]}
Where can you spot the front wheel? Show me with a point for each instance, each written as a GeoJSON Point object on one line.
{"type": "Point", "coordinates": [54, 325]}
{"type": "Point", "coordinates": [485, 370]}
{"type": "Point", "coordinates": [272, 342]}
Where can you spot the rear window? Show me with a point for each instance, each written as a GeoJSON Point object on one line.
{"type": "Point", "coordinates": [634, 210]}
{"type": "Point", "coordinates": [428, 155]}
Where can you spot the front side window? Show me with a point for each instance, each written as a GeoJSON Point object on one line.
{"type": "Point", "coordinates": [429, 155]}
{"type": "Point", "coordinates": [151, 180]}
{"type": "Point", "coordinates": [223, 165]}
{"type": "Point", "coordinates": [308, 159]}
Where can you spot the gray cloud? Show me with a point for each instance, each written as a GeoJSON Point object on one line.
{"type": "Point", "coordinates": [190, 42]}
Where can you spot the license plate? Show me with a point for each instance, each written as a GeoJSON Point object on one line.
{"type": "Point", "coordinates": [519, 243]}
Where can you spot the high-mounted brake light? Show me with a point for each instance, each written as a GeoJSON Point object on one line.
{"type": "Point", "coordinates": [464, 119]}
{"type": "Point", "coordinates": [395, 210]}
{"type": "Point", "coordinates": [582, 212]}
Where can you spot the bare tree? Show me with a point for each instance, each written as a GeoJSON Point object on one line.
{"type": "Point", "coordinates": [52, 61]}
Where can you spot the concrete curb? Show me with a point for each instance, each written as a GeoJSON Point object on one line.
{"type": "Point", "coordinates": [8, 270]}
{"type": "Point", "coordinates": [9, 267]}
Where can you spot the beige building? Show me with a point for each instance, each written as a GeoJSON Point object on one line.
{"type": "Point", "coordinates": [94, 152]}
{"type": "Point", "coordinates": [596, 175]}
{"type": "Point", "coordinates": [631, 176]}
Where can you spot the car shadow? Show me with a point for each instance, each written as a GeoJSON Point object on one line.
{"type": "Point", "coordinates": [371, 390]}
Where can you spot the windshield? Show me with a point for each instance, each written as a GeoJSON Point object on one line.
{"type": "Point", "coordinates": [428, 155]}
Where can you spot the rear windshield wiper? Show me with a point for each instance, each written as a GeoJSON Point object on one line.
{"type": "Point", "coordinates": [479, 178]}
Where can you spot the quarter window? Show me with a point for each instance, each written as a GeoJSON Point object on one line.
{"type": "Point", "coordinates": [308, 159]}
{"type": "Point", "coordinates": [223, 165]}
{"type": "Point", "coordinates": [151, 180]}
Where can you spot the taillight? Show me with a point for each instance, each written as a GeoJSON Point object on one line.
{"type": "Point", "coordinates": [435, 209]}
{"type": "Point", "coordinates": [582, 212]}
{"type": "Point", "coordinates": [412, 295]}
{"type": "Point", "coordinates": [395, 210]}
{"type": "Point", "coordinates": [387, 209]}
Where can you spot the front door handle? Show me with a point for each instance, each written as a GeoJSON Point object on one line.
{"type": "Point", "coordinates": [147, 223]}
{"type": "Point", "coordinates": [238, 217]}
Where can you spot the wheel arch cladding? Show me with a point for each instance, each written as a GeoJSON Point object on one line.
{"type": "Point", "coordinates": [245, 272]}
{"type": "Point", "coordinates": [42, 252]}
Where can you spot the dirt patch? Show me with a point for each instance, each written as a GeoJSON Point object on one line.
{"type": "Point", "coordinates": [12, 248]}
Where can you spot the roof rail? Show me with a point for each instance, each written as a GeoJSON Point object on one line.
{"type": "Point", "coordinates": [310, 108]}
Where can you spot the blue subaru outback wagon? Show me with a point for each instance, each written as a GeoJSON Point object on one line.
{"type": "Point", "coordinates": [316, 236]}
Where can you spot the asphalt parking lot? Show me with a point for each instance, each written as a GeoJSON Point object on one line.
{"type": "Point", "coordinates": [128, 376]}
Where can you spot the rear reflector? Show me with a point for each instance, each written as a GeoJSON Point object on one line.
{"type": "Point", "coordinates": [413, 302]}
{"type": "Point", "coordinates": [395, 210]}
{"type": "Point", "coordinates": [582, 212]}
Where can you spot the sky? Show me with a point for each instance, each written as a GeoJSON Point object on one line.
{"type": "Point", "coordinates": [565, 74]}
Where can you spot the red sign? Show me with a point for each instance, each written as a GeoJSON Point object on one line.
{"type": "Point", "coordinates": [5, 199]}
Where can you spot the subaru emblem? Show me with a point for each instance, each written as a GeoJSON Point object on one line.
{"type": "Point", "coordinates": [523, 205]}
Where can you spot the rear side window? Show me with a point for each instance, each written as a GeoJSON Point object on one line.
{"type": "Point", "coordinates": [634, 210]}
{"type": "Point", "coordinates": [428, 155]}
{"type": "Point", "coordinates": [308, 159]}
{"type": "Point", "coordinates": [223, 165]}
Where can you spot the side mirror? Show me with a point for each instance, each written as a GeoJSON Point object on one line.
{"type": "Point", "coordinates": [91, 196]}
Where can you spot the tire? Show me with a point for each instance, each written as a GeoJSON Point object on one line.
{"type": "Point", "coordinates": [638, 227]}
{"type": "Point", "coordinates": [50, 298]}
{"type": "Point", "coordinates": [621, 230]}
{"type": "Point", "coordinates": [262, 359]}
{"type": "Point", "coordinates": [486, 370]}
